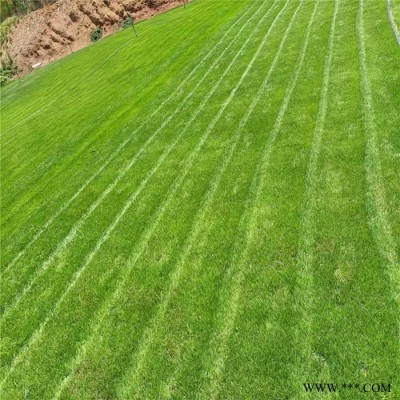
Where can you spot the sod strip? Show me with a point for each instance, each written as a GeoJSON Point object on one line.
{"type": "Point", "coordinates": [147, 143]}
{"type": "Point", "coordinates": [260, 348]}
{"type": "Point", "coordinates": [395, 10]}
{"type": "Point", "coordinates": [65, 166]}
{"type": "Point", "coordinates": [131, 384]}
{"type": "Point", "coordinates": [257, 354]}
{"type": "Point", "coordinates": [384, 76]}
{"type": "Point", "coordinates": [105, 236]}
{"type": "Point", "coordinates": [304, 296]}
{"type": "Point", "coordinates": [219, 344]}
{"type": "Point", "coordinates": [346, 260]}
{"type": "Point", "coordinates": [376, 196]}
{"type": "Point", "coordinates": [145, 373]}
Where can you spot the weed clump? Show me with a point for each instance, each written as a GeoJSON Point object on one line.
{"type": "Point", "coordinates": [7, 70]}
{"type": "Point", "coordinates": [97, 34]}
{"type": "Point", "coordinates": [127, 23]}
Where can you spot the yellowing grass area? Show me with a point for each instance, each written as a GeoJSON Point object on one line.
{"type": "Point", "coordinates": [210, 210]}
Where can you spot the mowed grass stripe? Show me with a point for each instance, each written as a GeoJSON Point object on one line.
{"type": "Point", "coordinates": [227, 314]}
{"type": "Point", "coordinates": [376, 196]}
{"type": "Point", "coordinates": [103, 195]}
{"type": "Point", "coordinates": [131, 384]}
{"type": "Point", "coordinates": [383, 75]}
{"type": "Point", "coordinates": [182, 382]}
{"type": "Point", "coordinates": [260, 351]}
{"type": "Point", "coordinates": [125, 142]}
{"type": "Point", "coordinates": [349, 285]}
{"type": "Point", "coordinates": [37, 333]}
{"type": "Point", "coordinates": [193, 234]}
{"type": "Point", "coordinates": [304, 292]}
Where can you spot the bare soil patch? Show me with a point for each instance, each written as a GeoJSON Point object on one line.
{"type": "Point", "coordinates": [53, 32]}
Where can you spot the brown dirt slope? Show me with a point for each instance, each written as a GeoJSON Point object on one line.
{"type": "Point", "coordinates": [50, 33]}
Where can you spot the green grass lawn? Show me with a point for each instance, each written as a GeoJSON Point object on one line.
{"type": "Point", "coordinates": [395, 9]}
{"type": "Point", "coordinates": [210, 210]}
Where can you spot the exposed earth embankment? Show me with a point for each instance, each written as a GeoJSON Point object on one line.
{"type": "Point", "coordinates": [54, 31]}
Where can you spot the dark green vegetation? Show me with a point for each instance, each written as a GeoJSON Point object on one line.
{"type": "Point", "coordinates": [7, 66]}
{"type": "Point", "coordinates": [96, 35]}
{"type": "Point", "coordinates": [7, 71]}
{"type": "Point", "coordinates": [12, 8]}
{"type": "Point", "coordinates": [5, 28]}
{"type": "Point", "coordinates": [210, 210]}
